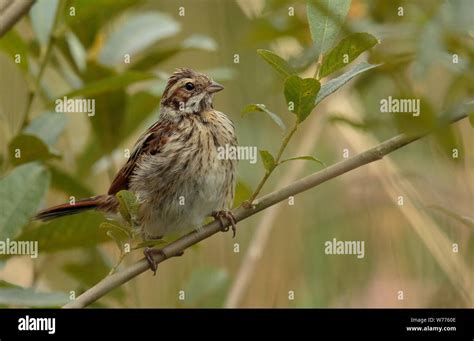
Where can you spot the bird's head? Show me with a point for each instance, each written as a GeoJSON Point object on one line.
{"type": "Point", "coordinates": [188, 91]}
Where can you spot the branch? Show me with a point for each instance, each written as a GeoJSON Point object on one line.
{"type": "Point", "coordinates": [12, 13]}
{"type": "Point", "coordinates": [177, 247]}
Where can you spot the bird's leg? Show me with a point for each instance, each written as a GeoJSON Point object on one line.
{"type": "Point", "coordinates": [149, 252]}
{"type": "Point", "coordinates": [219, 215]}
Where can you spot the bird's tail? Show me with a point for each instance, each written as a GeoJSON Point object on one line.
{"type": "Point", "coordinates": [101, 202]}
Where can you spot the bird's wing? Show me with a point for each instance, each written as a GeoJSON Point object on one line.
{"type": "Point", "coordinates": [149, 143]}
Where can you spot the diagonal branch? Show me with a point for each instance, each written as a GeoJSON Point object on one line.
{"type": "Point", "coordinates": [11, 12]}
{"type": "Point", "coordinates": [376, 153]}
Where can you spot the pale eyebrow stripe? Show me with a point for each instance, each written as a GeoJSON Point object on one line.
{"type": "Point", "coordinates": [180, 83]}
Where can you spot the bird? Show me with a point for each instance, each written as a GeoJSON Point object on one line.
{"type": "Point", "coordinates": [174, 170]}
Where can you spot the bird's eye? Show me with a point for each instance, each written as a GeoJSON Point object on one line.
{"type": "Point", "coordinates": [189, 86]}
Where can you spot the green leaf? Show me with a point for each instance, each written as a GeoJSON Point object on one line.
{"type": "Point", "coordinates": [449, 138]}
{"type": "Point", "coordinates": [206, 287]}
{"type": "Point", "coordinates": [78, 230]}
{"type": "Point", "coordinates": [364, 125]}
{"type": "Point", "coordinates": [408, 123]}
{"type": "Point", "coordinates": [20, 195]}
{"type": "Point", "coordinates": [268, 160]}
{"type": "Point", "coordinates": [116, 237]}
{"type": "Point", "coordinates": [88, 20]}
{"type": "Point", "coordinates": [28, 148]}
{"type": "Point", "coordinates": [300, 95]}
{"type": "Point", "coordinates": [154, 57]}
{"type": "Point", "coordinates": [14, 295]}
{"type": "Point", "coordinates": [444, 134]}
{"type": "Point", "coordinates": [346, 51]}
{"type": "Point", "coordinates": [68, 184]}
{"type": "Point", "coordinates": [128, 205]}
{"type": "Point", "coordinates": [42, 16]}
{"type": "Point", "coordinates": [221, 74]}
{"type": "Point", "coordinates": [262, 108]}
{"type": "Point", "coordinates": [242, 193]}
{"type": "Point", "coordinates": [430, 50]}
{"type": "Point", "coordinates": [14, 94]}
{"type": "Point", "coordinates": [77, 50]}
{"type": "Point", "coordinates": [67, 68]}
{"type": "Point", "coordinates": [199, 42]}
{"type": "Point", "coordinates": [306, 157]}
{"type": "Point", "coordinates": [12, 44]}
{"type": "Point", "coordinates": [124, 233]}
{"type": "Point", "coordinates": [269, 27]}
{"type": "Point", "coordinates": [111, 83]}
{"type": "Point", "coordinates": [334, 84]}
{"type": "Point", "coordinates": [280, 65]}
{"type": "Point", "coordinates": [48, 127]}
{"type": "Point", "coordinates": [159, 53]}
{"type": "Point", "coordinates": [325, 18]}
{"type": "Point", "coordinates": [137, 33]}
{"type": "Point", "coordinates": [468, 108]}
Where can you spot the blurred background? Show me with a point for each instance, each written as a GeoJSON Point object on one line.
{"type": "Point", "coordinates": [418, 249]}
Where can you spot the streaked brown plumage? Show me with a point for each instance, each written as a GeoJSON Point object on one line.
{"type": "Point", "coordinates": [174, 169]}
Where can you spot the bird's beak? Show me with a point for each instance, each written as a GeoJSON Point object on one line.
{"type": "Point", "coordinates": [214, 87]}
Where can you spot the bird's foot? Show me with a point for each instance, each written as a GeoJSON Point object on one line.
{"type": "Point", "coordinates": [220, 215]}
{"type": "Point", "coordinates": [149, 252]}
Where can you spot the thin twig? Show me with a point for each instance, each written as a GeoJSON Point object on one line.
{"type": "Point", "coordinates": [318, 66]}
{"type": "Point", "coordinates": [179, 246]}
{"type": "Point", "coordinates": [282, 148]}
{"type": "Point", "coordinates": [12, 13]}
{"type": "Point", "coordinates": [119, 261]}
{"type": "Point", "coordinates": [46, 56]}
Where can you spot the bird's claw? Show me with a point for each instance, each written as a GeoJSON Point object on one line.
{"type": "Point", "coordinates": [149, 252]}
{"type": "Point", "coordinates": [220, 215]}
